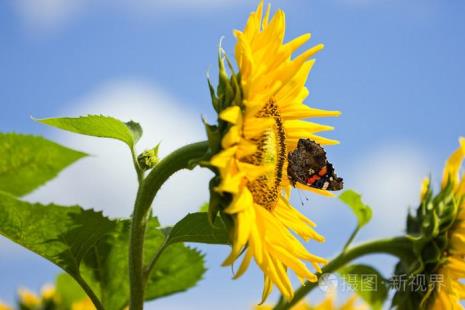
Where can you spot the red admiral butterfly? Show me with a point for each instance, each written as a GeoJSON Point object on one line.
{"type": "Point", "coordinates": [308, 165]}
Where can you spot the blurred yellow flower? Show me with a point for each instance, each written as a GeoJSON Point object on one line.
{"type": "Point", "coordinates": [85, 304]}
{"type": "Point", "coordinates": [28, 298]}
{"type": "Point", "coordinates": [253, 161]}
{"type": "Point", "coordinates": [329, 303]}
{"type": "Point", "coordinates": [48, 292]}
{"type": "Point", "coordinates": [451, 291]}
{"type": "Point", "coordinates": [4, 306]}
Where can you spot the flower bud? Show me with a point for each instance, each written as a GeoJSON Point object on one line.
{"type": "Point", "coordinates": [148, 159]}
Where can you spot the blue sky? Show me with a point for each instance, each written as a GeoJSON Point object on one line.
{"type": "Point", "coordinates": [394, 68]}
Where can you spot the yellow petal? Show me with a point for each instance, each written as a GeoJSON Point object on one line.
{"type": "Point", "coordinates": [303, 111]}
{"type": "Point", "coordinates": [253, 172]}
{"type": "Point", "coordinates": [457, 266]}
{"type": "Point", "coordinates": [245, 263]}
{"type": "Point", "coordinates": [267, 16]}
{"type": "Point", "coordinates": [292, 262]}
{"type": "Point", "coordinates": [315, 190]}
{"type": "Point", "coordinates": [242, 229]}
{"type": "Point", "coordinates": [452, 167]}
{"type": "Point", "coordinates": [300, 129]}
{"type": "Point", "coordinates": [424, 188]}
{"type": "Point", "coordinates": [231, 183]}
{"type": "Point", "coordinates": [223, 158]}
{"type": "Point", "coordinates": [267, 288]}
{"type": "Point", "coordinates": [240, 202]}
{"type": "Point", "coordinates": [294, 45]}
{"type": "Point", "coordinates": [232, 137]}
{"type": "Point", "coordinates": [256, 126]}
{"type": "Point", "coordinates": [246, 148]}
{"type": "Point", "coordinates": [231, 115]}
{"type": "Point", "coordinates": [292, 142]}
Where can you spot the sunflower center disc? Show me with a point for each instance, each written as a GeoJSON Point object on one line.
{"type": "Point", "coordinates": [271, 151]}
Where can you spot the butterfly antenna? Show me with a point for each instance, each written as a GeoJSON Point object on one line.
{"type": "Point", "coordinates": [300, 197]}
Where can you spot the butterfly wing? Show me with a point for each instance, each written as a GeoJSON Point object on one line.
{"type": "Point", "coordinates": [308, 165]}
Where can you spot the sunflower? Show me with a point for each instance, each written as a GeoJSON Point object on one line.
{"type": "Point", "coordinates": [329, 303]}
{"type": "Point", "coordinates": [4, 306]}
{"type": "Point", "coordinates": [85, 304]}
{"type": "Point", "coordinates": [259, 130]}
{"type": "Point", "coordinates": [28, 299]}
{"type": "Point", "coordinates": [451, 291]}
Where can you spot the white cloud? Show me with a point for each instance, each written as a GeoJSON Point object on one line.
{"type": "Point", "coordinates": [389, 179]}
{"type": "Point", "coordinates": [180, 4]}
{"type": "Point", "coordinates": [54, 14]}
{"type": "Point", "coordinates": [48, 14]}
{"type": "Point", "coordinates": [106, 180]}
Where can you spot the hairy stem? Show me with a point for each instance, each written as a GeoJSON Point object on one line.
{"type": "Point", "coordinates": [146, 193]}
{"type": "Point", "coordinates": [90, 293]}
{"type": "Point", "coordinates": [140, 173]}
{"type": "Point", "coordinates": [397, 246]}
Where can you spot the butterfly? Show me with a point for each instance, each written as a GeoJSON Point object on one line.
{"type": "Point", "coordinates": [308, 165]}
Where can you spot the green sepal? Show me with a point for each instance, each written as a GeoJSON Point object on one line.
{"type": "Point", "coordinates": [214, 205]}
{"type": "Point", "coordinates": [228, 93]}
{"type": "Point", "coordinates": [429, 228]}
{"type": "Point", "coordinates": [214, 98]}
{"type": "Point", "coordinates": [225, 91]}
{"type": "Point", "coordinates": [214, 137]}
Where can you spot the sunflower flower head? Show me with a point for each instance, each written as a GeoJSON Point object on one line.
{"type": "Point", "coordinates": [439, 231]}
{"type": "Point", "coordinates": [260, 120]}
{"type": "Point", "coordinates": [48, 292]}
{"type": "Point", "coordinates": [4, 306]}
{"type": "Point", "coordinates": [328, 303]}
{"type": "Point", "coordinates": [28, 299]}
{"type": "Point", "coordinates": [85, 304]}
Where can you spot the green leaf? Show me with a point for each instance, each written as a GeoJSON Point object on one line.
{"type": "Point", "coordinates": [62, 235]}
{"type": "Point", "coordinates": [367, 282]}
{"type": "Point", "coordinates": [195, 227]}
{"type": "Point", "coordinates": [204, 207]}
{"type": "Point", "coordinates": [354, 201]}
{"type": "Point", "coordinates": [68, 290]}
{"type": "Point", "coordinates": [178, 269]}
{"type": "Point", "coordinates": [136, 130]}
{"type": "Point", "coordinates": [27, 162]}
{"type": "Point", "coordinates": [98, 126]}
{"type": "Point", "coordinates": [94, 249]}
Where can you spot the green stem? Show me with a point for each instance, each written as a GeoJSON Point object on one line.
{"type": "Point", "coordinates": [394, 246]}
{"type": "Point", "coordinates": [351, 238]}
{"type": "Point", "coordinates": [148, 188]}
{"type": "Point", "coordinates": [140, 173]}
{"type": "Point", "coordinates": [90, 293]}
